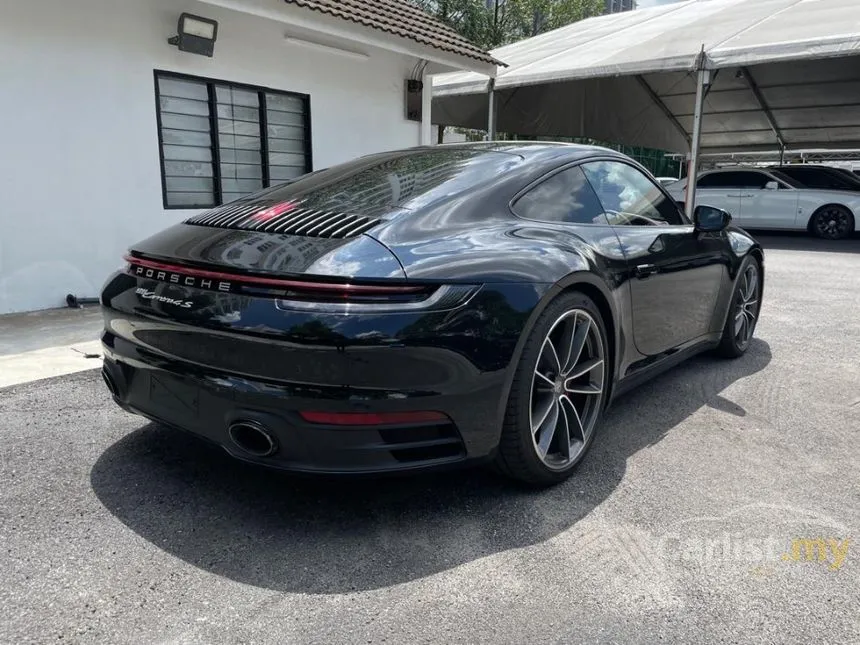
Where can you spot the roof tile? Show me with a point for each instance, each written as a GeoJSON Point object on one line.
{"type": "Point", "coordinates": [401, 18]}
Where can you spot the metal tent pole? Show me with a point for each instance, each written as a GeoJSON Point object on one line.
{"type": "Point", "coordinates": [491, 111]}
{"type": "Point", "coordinates": [704, 79]}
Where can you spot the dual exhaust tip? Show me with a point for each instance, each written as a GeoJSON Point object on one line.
{"type": "Point", "coordinates": [252, 438]}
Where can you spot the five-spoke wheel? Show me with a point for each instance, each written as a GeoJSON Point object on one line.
{"type": "Point", "coordinates": [558, 393]}
{"type": "Point", "coordinates": [567, 388]}
{"type": "Point", "coordinates": [743, 314]}
{"type": "Point", "coordinates": [746, 306]}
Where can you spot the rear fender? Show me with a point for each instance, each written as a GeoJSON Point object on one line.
{"type": "Point", "coordinates": [597, 290]}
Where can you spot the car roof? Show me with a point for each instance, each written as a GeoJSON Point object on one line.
{"type": "Point", "coordinates": [738, 169]}
{"type": "Point", "coordinates": [805, 166]}
{"type": "Point", "coordinates": [534, 150]}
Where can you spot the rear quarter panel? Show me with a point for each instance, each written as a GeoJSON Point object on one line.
{"type": "Point", "coordinates": [810, 201]}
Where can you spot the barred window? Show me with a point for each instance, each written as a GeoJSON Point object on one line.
{"type": "Point", "coordinates": [219, 141]}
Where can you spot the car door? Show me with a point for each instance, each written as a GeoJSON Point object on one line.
{"type": "Point", "coordinates": [766, 202]}
{"type": "Point", "coordinates": [674, 273]}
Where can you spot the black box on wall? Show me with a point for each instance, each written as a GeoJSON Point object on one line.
{"type": "Point", "coordinates": [414, 94]}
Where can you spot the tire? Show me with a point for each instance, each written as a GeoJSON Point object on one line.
{"type": "Point", "coordinates": [576, 390]}
{"type": "Point", "coordinates": [832, 222]}
{"type": "Point", "coordinates": [744, 310]}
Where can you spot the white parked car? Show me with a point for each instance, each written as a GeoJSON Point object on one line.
{"type": "Point", "coordinates": [768, 199]}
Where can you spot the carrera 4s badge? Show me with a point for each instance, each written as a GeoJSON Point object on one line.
{"type": "Point", "coordinates": [151, 295]}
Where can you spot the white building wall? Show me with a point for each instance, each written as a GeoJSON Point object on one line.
{"type": "Point", "coordinates": [79, 158]}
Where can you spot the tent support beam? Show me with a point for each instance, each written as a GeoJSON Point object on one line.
{"type": "Point", "coordinates": [704, 79]}
{"type": "Point", "coordinates": [659, 102]}
{"type": "Point", "coordinates": [491, 110]}
{"type": "Point", "coordinates": [754, 88]}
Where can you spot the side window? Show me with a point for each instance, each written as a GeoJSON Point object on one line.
{"type": "Point", "coordinates": [629, 197]}
{"type": "Point", "coordinates": [751, 179]}
{"type": "Point", "coordinates": [733, 180]}
{"type": "Point", "coordinates": [817, 179]}
{"type": "Point", "coordinates": [714, 180]}
{"type": "Point", "coordinates": [564, 197]}
{"type": "Point", "coordinates": [724, 179]}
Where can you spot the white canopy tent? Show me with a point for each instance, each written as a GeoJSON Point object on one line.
{"type": "Point", "coordinates": [704, 75]}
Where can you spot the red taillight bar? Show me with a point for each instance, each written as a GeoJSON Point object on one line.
{"type": "Point", "coordinates": [273, 282]}
{"type": "Point", "coordinates": [372, 418]}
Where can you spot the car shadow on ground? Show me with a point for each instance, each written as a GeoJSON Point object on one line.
{"type": "Point", "coordinates": [794, 241]}
{"type": "Point", "coordinates": [284, 533]}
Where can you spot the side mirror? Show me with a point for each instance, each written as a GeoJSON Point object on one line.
{"type": "Point", "coordinates": [772, 185]}
{"type": "Point", "coordinates": [708, 219]}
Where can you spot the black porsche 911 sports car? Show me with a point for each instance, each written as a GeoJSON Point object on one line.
{"type": "Point", "coordinates": [426, 307]}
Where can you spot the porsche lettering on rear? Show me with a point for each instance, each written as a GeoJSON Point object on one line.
{"type": "Point", "coordinates": [181, 280]}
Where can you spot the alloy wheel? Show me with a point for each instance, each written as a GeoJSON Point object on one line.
{"type": "Point", "coordinates": [567, 389]}
{"type": "Point", "coordinates": [832, 223]}
{"type": "Point", "coordinates": [746, 306]}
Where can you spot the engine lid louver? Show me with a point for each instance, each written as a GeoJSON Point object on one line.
{"type": "Point", "coordinates": [285, 217]}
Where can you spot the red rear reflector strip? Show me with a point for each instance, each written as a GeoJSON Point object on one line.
{"type": "Point", "coordinates": [281, 283]}
{"type": "Point", "coordinates": [372, 418]}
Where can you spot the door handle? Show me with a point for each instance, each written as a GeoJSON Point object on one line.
{"type": "Point", "coordinates": [645, 270]}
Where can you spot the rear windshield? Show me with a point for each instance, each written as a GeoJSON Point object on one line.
{"type": "Point", "coordinates": [381, 183]}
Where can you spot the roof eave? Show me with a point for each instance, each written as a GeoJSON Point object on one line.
{"type": "Point", "coordinates": [323, 24]}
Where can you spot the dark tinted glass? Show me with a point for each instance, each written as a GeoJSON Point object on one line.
{"type": "Point", "coordinates": [738, 179]}
{"type": "Point", "coordinates": [847, 175]}
{"type": "Point", "coordinates": [817, 178]}
{"type": "Point", "coordinates": [564, 197]}
{"type": "Point", "coordinates": [629, 197]}
{"type": "Point", "coordinates": [379, 183]}
{"type": "Point", "coordinates": [715, 180]}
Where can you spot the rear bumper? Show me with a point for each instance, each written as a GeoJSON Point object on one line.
{"type": "Point", "coordinates": [206, 402]}
{"type": "Point", "coordinates": [199, 360]}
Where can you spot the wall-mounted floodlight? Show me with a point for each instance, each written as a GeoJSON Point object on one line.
{"type": "Point", "coordinates": [196, 35]}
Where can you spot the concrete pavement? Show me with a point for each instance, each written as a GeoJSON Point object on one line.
{"type": "Point", "coordinates": [720, 503]}
{"type": "Point", "coordinates": [43, 344]}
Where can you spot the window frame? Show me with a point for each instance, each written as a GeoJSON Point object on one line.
{"type": "Point", "coordinates": [732, 171]}
{"type": "Point", "coordinates": [215, 146]}
{"type": "Point", "coordinates": [685, 221]}
{"type": "Point", "coordinates": [544, 178]}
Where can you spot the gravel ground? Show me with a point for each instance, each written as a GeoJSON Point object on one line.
{"type": "Point", "coordinates": [678, 527]}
